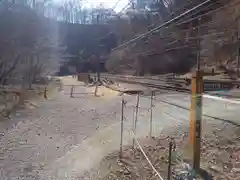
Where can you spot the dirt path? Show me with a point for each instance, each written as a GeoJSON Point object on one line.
{"type": "Point", "coordinates": [46, 133]}
{"type": "Point", "coordinates": [61, 138]}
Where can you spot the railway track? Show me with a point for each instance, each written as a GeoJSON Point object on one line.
{"type": "Point", "coordinates": [159, 84]}
{"type": "Point", "coordinates": [171, 83]}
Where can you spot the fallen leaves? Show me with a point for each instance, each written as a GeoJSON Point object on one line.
{"type": "Point", "coordinates": [220, 155]}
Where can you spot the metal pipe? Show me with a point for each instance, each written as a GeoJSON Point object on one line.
{"type": "Point", "coordinates": [121, 136]}
{"type": "Point", "coordinates": [198, 45]}
{"type": "Point", "coordinates": [71, 94]}
{"type": "Point", "coordinates": [98, 59]}
{"type": "Point", "coordinates": [136, 118]}
{"type": "Point", "coordinates": [238, 49]}
{"type": "Point", "coordinates": [45, 92]}
{"type": "Point", "coordinates": [151, 106]}
{"type": "Point", "coordinates": [170, 159]}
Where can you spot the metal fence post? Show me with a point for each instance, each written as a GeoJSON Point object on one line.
{"type": "Point", "coordinates": [121, 136]}
{"type": "Point", "coordinates": [170, 159]}
{"type": "Point", "coordinates": [45, 92]}
{"type": "Point", "coordinates": [60, 87]}
{"type": "Point", "coordinates": [135, 120]}
{"type": "Point", "coordinates": [238, 48]}
{"type": "Point", "coordinates": [71, 94]}
{"type": "Point", "coordinates": [151, 106]}
{"type": "Point", "coordinates": [96, 89]}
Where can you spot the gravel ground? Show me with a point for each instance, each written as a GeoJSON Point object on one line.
{"type": "Point", "coordinates": [66, 136]}
{"type": "Point", "coordinates": [37, 137]}
{"type": "Point", "coordinates": [50, 140]}
{"type": "Point", "coordinates": [220, 155]}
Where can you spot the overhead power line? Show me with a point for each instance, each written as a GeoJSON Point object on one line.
{"type": "Point", "coordinates": [227, 23]}
{"type": "Point", "coordinates": [125, 7]}
{"type": "Point", "coordinates": [210, 12]}
{"type": "Point", "coordinates": [150, 26]}
{"type": "Point", "coordinates": [164, 24]}
{"type": "Point", "coordinates": [115, 5]}
{"type": "Point", "coordinates": [102, 37]}
{"type": "Point", "coordinates": [200, 16]}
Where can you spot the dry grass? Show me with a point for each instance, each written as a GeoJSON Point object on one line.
{"type": "Point", "coordinates": [15, 97]}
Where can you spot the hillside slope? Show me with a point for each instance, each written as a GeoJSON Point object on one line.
{"type": "Point", "coordinates": [174, 49]}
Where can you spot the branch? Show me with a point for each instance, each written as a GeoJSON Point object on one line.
{"type": "Point", "coordinates": [9, 71]}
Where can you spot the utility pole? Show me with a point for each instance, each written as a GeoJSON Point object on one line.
{"type": "Point", "coordinates": [196, 109]}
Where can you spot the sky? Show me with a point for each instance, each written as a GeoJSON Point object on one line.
{"type": "Point", "coordinates": [106, 3]}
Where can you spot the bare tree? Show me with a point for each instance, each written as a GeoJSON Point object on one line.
{"type": "Point", "coordinates": [28, 46]}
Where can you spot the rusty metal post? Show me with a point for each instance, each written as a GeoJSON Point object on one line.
{"type": "Point", "coordinates": [170, 159]}
{"type": "Point", "coordinates": [98, 70]}
{"type": "Point", "coordinates": [121, 136]}
{"type": "Point", "coordinates": [45, 92]}
{"type": "Point", "coordinates": [238, 62]}
{"type": "Point", "coordinates": [151, 106]}
{"type": "Point", "coordinates": [71, 94]}
{"type": "Point", "coordinates": [196, 118]}
{"type": "Point", "coordinates": [135, 120]}
{"type": "Point", "coordinates": [133, 123]}
{"type": "Point", "coordinates": [96, 90]}
{"type": "Point", "coordinates": [60, 87]}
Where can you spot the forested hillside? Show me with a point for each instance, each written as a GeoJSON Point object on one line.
{"type": "Point", "coordinates": [36, 35]}
{"type": "Point", "coordinates": [212, 30]}
{"type": "Point", "coordinates": [29, 46]}
{"type": "Point", "coordinates": [32, 45]}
